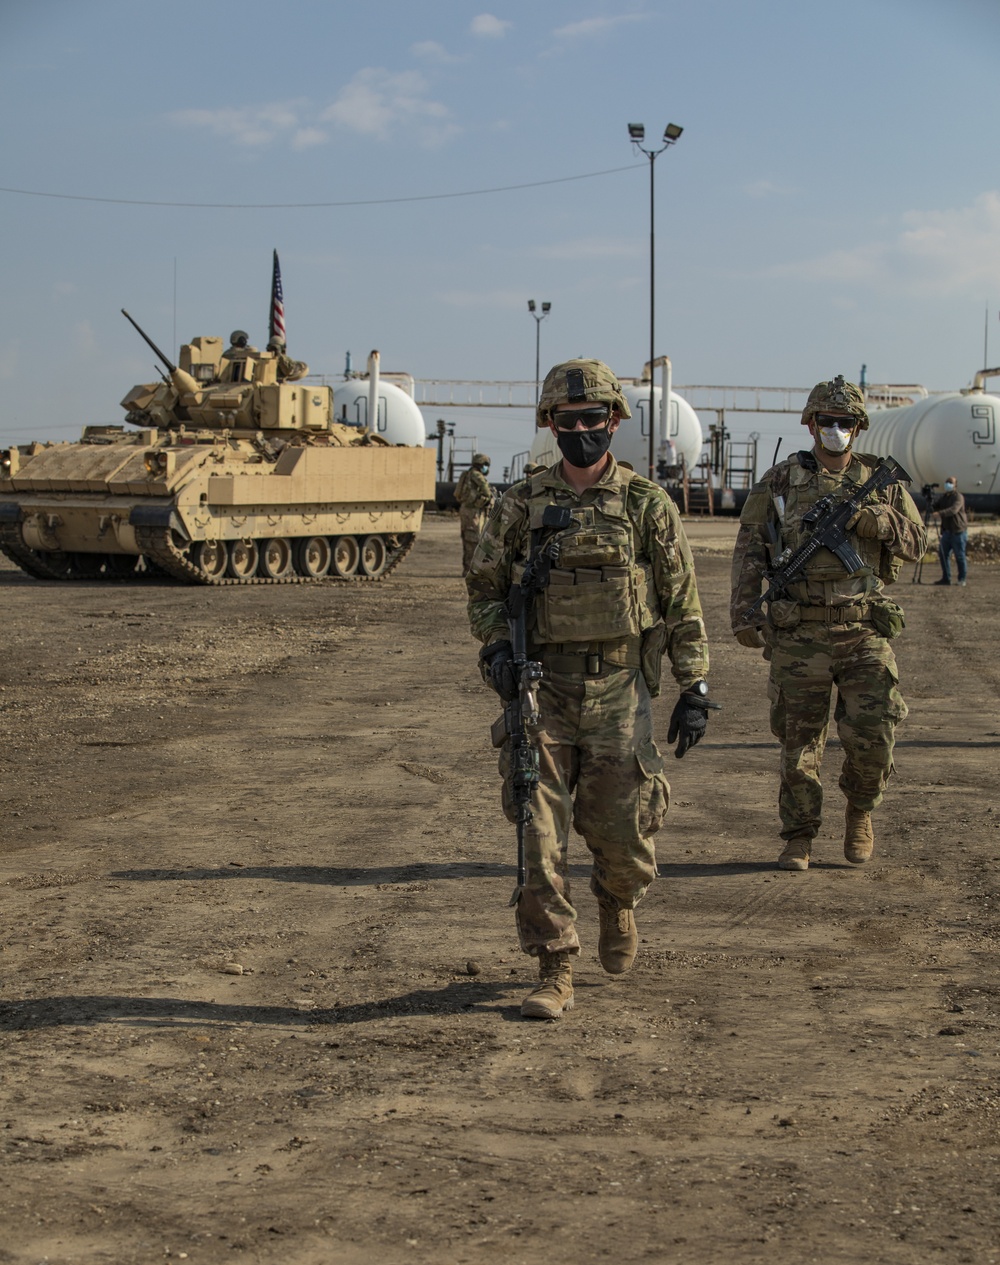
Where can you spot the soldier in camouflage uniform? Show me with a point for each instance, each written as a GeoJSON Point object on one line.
{"type": "Point", "coordinates": [475, 497]}
{"type": "Point", "coordinates": [833, 629]}
{"type": "Point", "coordinates": [288, 370]}
{"type": "Point", "coordinates": [621, 591]}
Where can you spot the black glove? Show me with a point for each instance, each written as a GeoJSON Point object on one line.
{"type": "Point", "coordinates": [689, 719]}
{"type": "Point", "coordinates": [496, 663]}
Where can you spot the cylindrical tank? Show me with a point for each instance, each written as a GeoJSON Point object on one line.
{"type": "Point", "coordinates": [631, 440]}
{"type": "Point", "coordinates": [941, 435]}
{"type": "Point", "coordinates": [399, 419]}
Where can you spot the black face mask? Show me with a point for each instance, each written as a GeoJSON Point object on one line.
{"type": "Point", "coordinates": [584, 448]}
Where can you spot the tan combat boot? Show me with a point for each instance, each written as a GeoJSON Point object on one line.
{"type": "Point", "coordinates": [619, 939]}
{"type": "Point", "coordinates": [859, 838]}
{"type": "Point", "coordinates": [554, 992]}
{"type": "Point", "coordinates": [795, 854]}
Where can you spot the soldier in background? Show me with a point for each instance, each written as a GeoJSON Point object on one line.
{"type": "Point", "coordinates": [621, 592]}
{"type": "Point", "coordinates": [475, 497]}
{"type": "Point", "coordinates": [237, 354]}
{"type": "Point", "coordinates": [950, 506]}
{"type": "Point", "coordinates": [288, 370]}
{"type": "Point", "coordinates": [834, 629]}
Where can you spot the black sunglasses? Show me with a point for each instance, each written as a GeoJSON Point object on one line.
{"type": "Point", "coordinates": [592, 417]}
{"type": "Point", "coordinates": [836, 419]}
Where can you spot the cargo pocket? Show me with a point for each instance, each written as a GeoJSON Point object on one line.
{"type": "Point", "coordinates": [654, 789]}
{"type": "Point", "coordinates": [895, 708]}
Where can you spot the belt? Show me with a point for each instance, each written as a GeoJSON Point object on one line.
{"type": "Point", "coordinates": [590, 659]}
{"type": "Point", "coordinates": [834, 614]}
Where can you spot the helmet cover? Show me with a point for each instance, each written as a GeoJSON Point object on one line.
{"type": "Point", "coordinates": [836, 396]}
{"type": "Point", "coordinates": [580, 382]}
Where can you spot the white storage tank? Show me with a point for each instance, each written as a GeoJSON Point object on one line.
{"type": "Point", "coordinates": [947, 434]}
{"type": "Point", "coordinates": [399, 419]}
{"type": "Point", "coordinates": [631, 440]}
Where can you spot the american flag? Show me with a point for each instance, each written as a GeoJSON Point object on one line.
{"type": "Point", "coordinates": [277, 326]}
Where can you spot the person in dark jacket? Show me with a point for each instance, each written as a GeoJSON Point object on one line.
{"type": "Point", "coordinates": [950, 507]}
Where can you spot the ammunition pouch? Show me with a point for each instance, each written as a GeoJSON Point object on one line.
{"type": "Point", "coordinates": [887, 618]}
{"type": "Point", "coordinates": [587, 604]}
{"type": "Point", "coordinates": [651, 651]}
{"type": "Point", "coordinates": [784, 613]}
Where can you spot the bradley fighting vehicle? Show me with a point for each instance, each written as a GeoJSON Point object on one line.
{"type": "Point", "coordinates": [237, 473]}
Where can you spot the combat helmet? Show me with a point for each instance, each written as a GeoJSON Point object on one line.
{"type": "Point", "coordinates": [580, 382]}
{"type": "Point", "coordinates": [480, 459]}
{"type": "Point", "coordinates": [239, 338]}
{"type": "Point", "coordinates": [836, 396]}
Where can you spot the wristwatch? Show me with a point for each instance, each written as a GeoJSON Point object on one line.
{"type": "Point", "coordinates": [699, 687]}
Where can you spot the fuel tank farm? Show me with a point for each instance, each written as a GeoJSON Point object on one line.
{"type": "Point", "coordinates": [950, 434]}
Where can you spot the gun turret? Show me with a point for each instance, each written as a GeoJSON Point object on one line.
{"type": "Point", "coordinates": [183, 383]}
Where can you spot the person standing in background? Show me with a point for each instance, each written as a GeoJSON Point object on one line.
{"type": "Point", "coordinates": [475, 499]}
{"type": "Point", "coordinates": [950, 507]}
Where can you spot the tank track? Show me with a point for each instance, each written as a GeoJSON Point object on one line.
{"type": "Point", "coordinates": [31, 561]}
{"type": "Point", "coordinates": [157, 545]}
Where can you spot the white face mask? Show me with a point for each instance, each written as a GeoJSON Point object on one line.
{"type": "Point", "coordinates": [949, 487]}
{"type": "Point", "coordinates": [834, 439]}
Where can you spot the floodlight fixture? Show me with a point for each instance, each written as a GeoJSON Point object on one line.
{"type": "Point", "coordinates": [546, 309]}
{"type": "Point", "coordinates": [636, 133]}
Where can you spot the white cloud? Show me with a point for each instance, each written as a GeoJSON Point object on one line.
{"type": "Point", "coordinates": [306, 137]}
{"type": "Point", "coordinates": [935, 253]}
{"type": "Point", "coordinates": [431, 50]}
{"type": "Point", "coordinates": [376, 101]}
{"type": "Point", "coordinates": [489, 26]}
{"type": "Point", "coordinates": [251, 125]}
{"type": "Point", "coordinates": [594, 26]}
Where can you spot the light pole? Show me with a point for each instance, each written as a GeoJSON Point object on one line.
{"type": "Point", "coordinates": [636, 134]}
{"type": "Point", "coordinates": [546, 309]}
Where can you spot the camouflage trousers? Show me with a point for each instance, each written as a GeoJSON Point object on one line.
{"type": "Point", "coordinates": [601, 773]}
{"type": "Point", "coordinates": [805, 667]}
{"type": "Point", "coordinates": [472, 522]}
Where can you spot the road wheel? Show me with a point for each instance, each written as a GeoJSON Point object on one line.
{"type": "Point", "coordinates": [346, 556]}
{"type": "Point", "coordinates": [211, 558]}
{"type": "Point", "coordinates": [243, 557]}
{"type": "Point", "coordinates": [275, 558]}
{"type": "Point", "coordinates": [313, 556]}
{"type": "Point", "coordinates": [373, 556]}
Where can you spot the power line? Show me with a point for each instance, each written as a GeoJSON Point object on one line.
{"type": "Point", "coordinates": [295, 206]}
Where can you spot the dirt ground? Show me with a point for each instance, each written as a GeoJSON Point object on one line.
{"type": "Point", "coordinates": [259, 986]}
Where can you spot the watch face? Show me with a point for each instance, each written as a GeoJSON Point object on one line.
{"type": "Point", "coordinates": [700, 687]}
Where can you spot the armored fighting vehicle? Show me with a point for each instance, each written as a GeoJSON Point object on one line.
{"type": "Point", "coordinates": [235, 473]}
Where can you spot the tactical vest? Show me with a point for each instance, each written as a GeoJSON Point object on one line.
{"type": "Point", "coordinates": [600, 589]}
{"type": "Point", "coordinates": [806, 487]}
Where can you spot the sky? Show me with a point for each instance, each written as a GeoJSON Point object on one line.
{"type": "Point", "coordinates": [424, 169]}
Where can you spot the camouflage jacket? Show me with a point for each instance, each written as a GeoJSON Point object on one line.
{"type": "Point", "coordinates": [658, 547]}
{"type": "Point", "coordinates": [472, 491]}
{"type": "Point", "coordinates": [771, 522]}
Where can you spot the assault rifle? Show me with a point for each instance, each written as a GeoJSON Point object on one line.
{"type": "Point", "coordinates": [828, 521]}
{"type": "Point", "coordinates": [521, 714]}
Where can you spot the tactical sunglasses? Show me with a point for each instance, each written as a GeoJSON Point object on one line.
{"type": "Point", "coordinates": [592, 417]}
{"type": "Point", "coordinates": [835, 419]}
